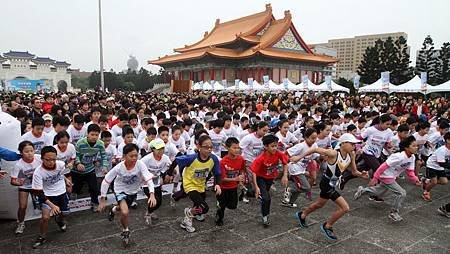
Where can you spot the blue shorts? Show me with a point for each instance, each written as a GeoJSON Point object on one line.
{"type": "Point", "coordinates": [62, 201]}
{"type": "Point", "coordinates": [128, 198]}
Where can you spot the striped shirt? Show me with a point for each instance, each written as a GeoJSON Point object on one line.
{"type": "Point", "coordinates": [88, 155]}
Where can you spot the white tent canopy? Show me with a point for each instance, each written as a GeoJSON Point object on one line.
{"type": "Point", "coordinates": [257, 86]}
{"type": "Point", "coordinates": [444, 87]}
{"type": "Point", "coordinates": [412, 86]}
{"type": "Point", "coordinates": [334, 87]}
{"type": "Point", "coordinates": [196, 86]}
{"type": "Point", "coordinates": [291, 86]}
{"type": "Point", "coordinates": [218, 86]}
{"type": "Point", "coordinates": [376, 87]}
{"type": "Point", "coordinates": [274, 87]}
{"type": "Point", "coordinates": [206, 86]}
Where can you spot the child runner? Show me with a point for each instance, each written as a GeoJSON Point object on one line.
{"type": "Point", "coordinates": [66, 151]}
{"type": "Point", "coordinates": [127, 176]}
{"type": "Point", "coordinates": [49, 184]}
{"type": "Point", "coordinates": [388, 172]}
{"type": "Point", "coordinates": [89, 150]}
{"type": "Point", "coordinates": [110, 153]}
{"type": "Point", "coordinates": [298, 169]}
{"type": "Point", "coordinates": [264, 170]}
{"type": "Point", "coordinates": [232, 167]}
{"type": "Point", "coordinates": [76, 130]}
{"type": "Point", "coordinates": [22, 176]}
{"type": "Point", "coordinates": [437, 163]}
{"type": "Point", "coordinates": [286, 139]}
{"type": "Point", "coordinates": [37, 136]}
{"type": "Point", "coordinates": [195, 169]}
{"type": "Point", "coordinates": [338, 161]}
{"type": "Point", "coordinates": [157, 163]}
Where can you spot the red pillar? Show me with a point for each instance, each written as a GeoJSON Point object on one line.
{"type": "Point", "coordinates": [286, 73]}
{"type": "Point", "coordinates": [253, 73]}
{"type": "Point", "coordinates": [241, 72]}
{"type": "Point", "coordinates": [164, 76]}
{"type": "Point", "coordinates": [259, 74]}
{"type": "Point", "coordinates": [202, 75]}
{"type": "Point", "coordinates": [211, 74]}
{"type": "Point", "coordinates": [271, 74]}
{"type": "Point", "coordinates": [223, 73]}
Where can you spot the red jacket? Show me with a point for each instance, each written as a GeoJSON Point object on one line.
{"type": "Point", "coordinates": [47, 107]}
{"type": "Point", "coordinates": [424, 109]}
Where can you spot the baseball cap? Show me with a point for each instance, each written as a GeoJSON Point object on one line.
{"type": "Point", "coordinates": [47, 117]}
{"type": "Point", "coordinates": [157, 144]}
{"type": "Point", "coordinates": [347, 137]}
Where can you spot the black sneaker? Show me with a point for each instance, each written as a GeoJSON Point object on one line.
{"type": "Point", "coordinates": [376, 199]}
{"type": "Point", "coordinates": [302, 223]}
{"type": "Point", "coordinates": [341, 183]}
{"type": "Point", "coordinates": [39, 241]}
{"type": "Point", "coordinates": [328, 232]}
{"type": "Point", "coordinates": [125, 236]}
{"type": "Point", "coordinates": [443, 211]}
{"type": "Point", "coordinates": [111, 214]}
{"type": "Point", "coordinates": [62, 226]}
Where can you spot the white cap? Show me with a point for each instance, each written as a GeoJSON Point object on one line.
{"type": "Point", "coordinates": [347, 137]}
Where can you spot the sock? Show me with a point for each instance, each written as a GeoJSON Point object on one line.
{"type": "Point", "coordinates": [114, 209]}
{"type": "Point", "coordinates": [125, 229]}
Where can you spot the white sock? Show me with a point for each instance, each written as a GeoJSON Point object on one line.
{"type": "Point", "coordinates": [114, 209]}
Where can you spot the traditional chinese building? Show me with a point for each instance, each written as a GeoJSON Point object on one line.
{"type": "Point", "coordinates": [248, 47]}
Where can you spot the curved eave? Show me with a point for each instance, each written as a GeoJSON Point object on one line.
{"type": "Point", "coordinates": [267, 16]}
{"type": "Point", "coordinates": [305, 57]}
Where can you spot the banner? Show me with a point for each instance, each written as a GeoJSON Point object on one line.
{"type": "Point", "coordinates": [305, 82]}
{"type": "Point", "coordinates": [385, 81]}
{"type": "Point", "coordinates": [328, 82]}
{"type": "Point", "coordinates": [266, 81]}
{"type": "Point", "coordinates": [423, 80]}
{"type": "Point", "coordinates": [27, 85]}
{"type": "Point", "coordinates": [285, 83]}
{"type": "Point", "coordinates": [250, 83]}
{"type": "Point", "coordinates": [201, 85]}
{"type": "Point", "coordinates": [236, 84]}
{"type": "Point", "coordinates": [212, 84]}
{"type": "Point", "coordinates": [224, 83]}
{"type": "Point", "coordinates": [356, 81]}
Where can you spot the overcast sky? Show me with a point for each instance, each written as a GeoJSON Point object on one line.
{"type": "Point", "coordinates": [68, 30]}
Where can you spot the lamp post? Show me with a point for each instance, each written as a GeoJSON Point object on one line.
{"type": "Point", "coordinates": [102, 78]}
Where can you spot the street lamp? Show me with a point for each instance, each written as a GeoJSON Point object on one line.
{"type": "Point", "coordinates": [102, 78]}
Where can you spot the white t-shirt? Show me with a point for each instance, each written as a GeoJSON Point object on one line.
{"type": "Point", "coordinates": [129, 181]}
{"type": "Point", "coordinates": [423, 150]}
{"type": "Point", "coordinates": [119, 153]}
{"type": "Point", "coordinates": [243, 134]}
{"type": "Point", "coordinates": [398, 163]}
{"type": "Point", "coordinates": [218, 141]}
{"type": "Point", "coordinates": [110, 153]}
{"type": "Point", "coordinates": [251, 146]}
{"type": "Point", "coordinates": [324, 143]}
{"type": "Point", "coordinates": [75, 134]}
{"type": "Point", "coordinates": [300, 166]}
{"type": "Point", "coordinates": [284, 142]}
{"type": "Point", "coordinates": [48, 129]}
{"type": "Point", "coordinates": [442, 154]}
{"type": "Point", "coordinates": [436, 140]}
{"type": "Point", "coordinates": [141, 136]}
{"type": "Point", "coordinates": [38, 142]}
{"type": "Point", "coordinates": [156, 167]}
{"type": "Point", "coordinates": [50, 181]}
{"type": "Point", "coordinates": [25, 170]}
{"type": "Point", "coordinates": [180, 144]}
{"type": "Point", "coordinates": [231, 132]}
{"type": "Point", "coordinates": [69, 154]}
{"type": "Point", "coordinates": [376, 140]}
{"type": "Point", "coordinates": [171, 150]}
{"type": "Point", "coordinates": [116, 131]}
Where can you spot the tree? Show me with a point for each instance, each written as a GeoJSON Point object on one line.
{"type": "Point", "coordinates": [370, 67]}
{"type": "Point", "coordinates": [444, 63]}
{"type": "Point", "coordinates": [81, 83]}
{"type": "Point", "coordinates": [348, 84]}
{"type": "Point", "coordinates": [401, 71]}
{"type": "Point", "coordinates": [427, 61]}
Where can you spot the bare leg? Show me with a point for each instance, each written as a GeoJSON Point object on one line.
{"type": "Point", "coordinates": [23, 201]}
{"type": "Point", "coordinates": [342, 209]}
{"type": "Point", "coordinates": [44, 221]}
{"type": "Point", "coordinates": [123, 214]}
{"type": "Point", "coordinates": [319, 203]}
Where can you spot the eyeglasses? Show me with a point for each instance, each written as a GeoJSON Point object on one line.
{"type": "Point", "coordinates": [207, 147]}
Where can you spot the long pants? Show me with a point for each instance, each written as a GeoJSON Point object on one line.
{"type": "Point", "coordinates": [200, 205]}
{"type": "Point", "coordinates": [158, 197]}
{"type": "Point", "coordinates": [381, 188]}
{"type": "Point", "coordinates": [297, 185]}
{"type": "Point", "coordinates": [227, 199]}
{"type": "Point", "coordinates": [91, 180]}
{"type": "Point", "coordinates": [264, 186]}
{"type": "Point", "coordinates": [249, 185]}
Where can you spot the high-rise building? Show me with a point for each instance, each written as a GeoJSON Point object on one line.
{"type": "Point", "coordinates": [350, 51]}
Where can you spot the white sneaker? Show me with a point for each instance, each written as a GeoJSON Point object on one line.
{"type": "Point", "coordinates": [20, 228]}
{"type": "Point", "coordinates": [245, 200]}
{"type": "Point", "coordinates": [187, 221]}
{"type": "Point", "coordinates": [154, 216]}
{"type": "Point", "coordinates": [134, 205]}
{"type": "Point", "coordinates": [395, 216]}
{"type": "Point", "coordinates": [148, 219]}
{"type": "Point", "coordinates": [172, 202]}
{"type": "Point", "coordinates": [200, 217]}
{"type": "Point", "coordinates": [358, 193]}
{"type": "Point", "coordinates": [286, 196]}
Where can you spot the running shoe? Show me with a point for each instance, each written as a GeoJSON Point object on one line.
{"type": "Point", "coordinates": [245, 200]}
{"type": "Point", "coordinates": [134, 205]}
{"type": "Point", "coordinates": [302, 222]}
{"type": "Point", "coordinates": [395, 216]}
{"type": "Point", "coordinates": [94, 207]}
{"type": "Point", "coordinates": [200, 217]}
{"type": "Point", "coordinates": [61, 224]}
{"type": "Point", "coordinates": [147, 219]}
{"type": "Point", "coordinates": [309, 195]}
{"type": "Point", "coordinates": [265, 221]}
{"type": "Point", "coordinates": [443, 211]}
{"type": "Point", "coordinates": [187, 221]}
{"type": "Point", "coordinates": [219, 221]}
{"type": "Point", "coordinates": [376, 199]}
{"type": "Point", "coordinates": [39, 242]}
{"type": "Point", "coordinates": [172, 202]}
{"type": "Point", "coordinates": [125, 236]}
{"type": "Point", "coordinates": [20, 228]}
{"type": "Point", "coordinates": [328, 232]}
{"type": "Point", "coordinates": [358, 193]}
{"type": "Point", "coordinates": [154, 216]}
{"type": "Point", "coordinates": [288, 204]}
{"type": "Point", "coordinates": [286, 195]}
{"type": "Point", "coordinates": [111, 214]}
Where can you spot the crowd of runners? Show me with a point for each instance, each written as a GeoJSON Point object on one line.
{"type": "Point", "coordinates": [233, 145]}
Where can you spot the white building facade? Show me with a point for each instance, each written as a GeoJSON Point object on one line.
{"type": "Point", "coordinates": [17, 65]}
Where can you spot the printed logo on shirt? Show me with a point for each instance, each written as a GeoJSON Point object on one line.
{"type": "Point", "coordinates": [201, 173]}
{"type": "Point", "coordinates": [53, 179]}
{"type": "Point", "coordinates": [130, 179]}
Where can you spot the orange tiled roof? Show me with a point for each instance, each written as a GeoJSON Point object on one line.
{"type": "Point", "coordinates": [247, 29]}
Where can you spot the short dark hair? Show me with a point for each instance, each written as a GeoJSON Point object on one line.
{"type": "Point", "coordinates": [403, 127]}
{"type": "Point", "coordinates": [105, 134]}
{"type": "Point", "coordinates": [230, 141]}
{"type": "Point", "coordinates": [48, 149]}
{"type": "Point", "coordinates": [309, 132]}
{"type": "Point", "coordinates": [123, 117]}
{"type": "Point", "coordinates": [38, 121]}
{"type": "Point", "coordinates": [78, 119]}
{"type": "Point", "coordinates": [203, 138]}
{"type": "Point", "coordinates": [351, 127]}
{"type": "Point", "coordinates": [152, 131]}
{"type": "Point", "coordinates": [406, 142]}
{"type": "Point", "coordinates": [162, 129]}
{"type": "Point", "coordinates": [61, 120]}
{"type": "Point", "coordinates": [94, 128]}
{"type": "Point", "coordinates": [61, 135]}
{"type": "Point", "coordinates": [269, 139]}
{"type": "Point", "coordinates": [127, 130]}
{"type": "Point", "coordinates": [129, 148]}
{"type": "Point", "coordinates": [24, 144]}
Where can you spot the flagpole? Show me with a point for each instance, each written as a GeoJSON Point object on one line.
{"type": "Point", "coordinates": [102, 78]}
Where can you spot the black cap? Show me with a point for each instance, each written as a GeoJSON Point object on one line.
{"type": "Point", "coordinates": [269, 139]}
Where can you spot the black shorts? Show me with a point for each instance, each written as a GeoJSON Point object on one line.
{"type": "Point", "coordinates": [62, 201]}
{"type": "Point", "coordinates": [228, 199]}
{"type": "Point", "coordinates": [25, 190]}
{"type": "Point", "coordinates": [328, 192]}
{"type": "Point", "coordinates": [433, 173]}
